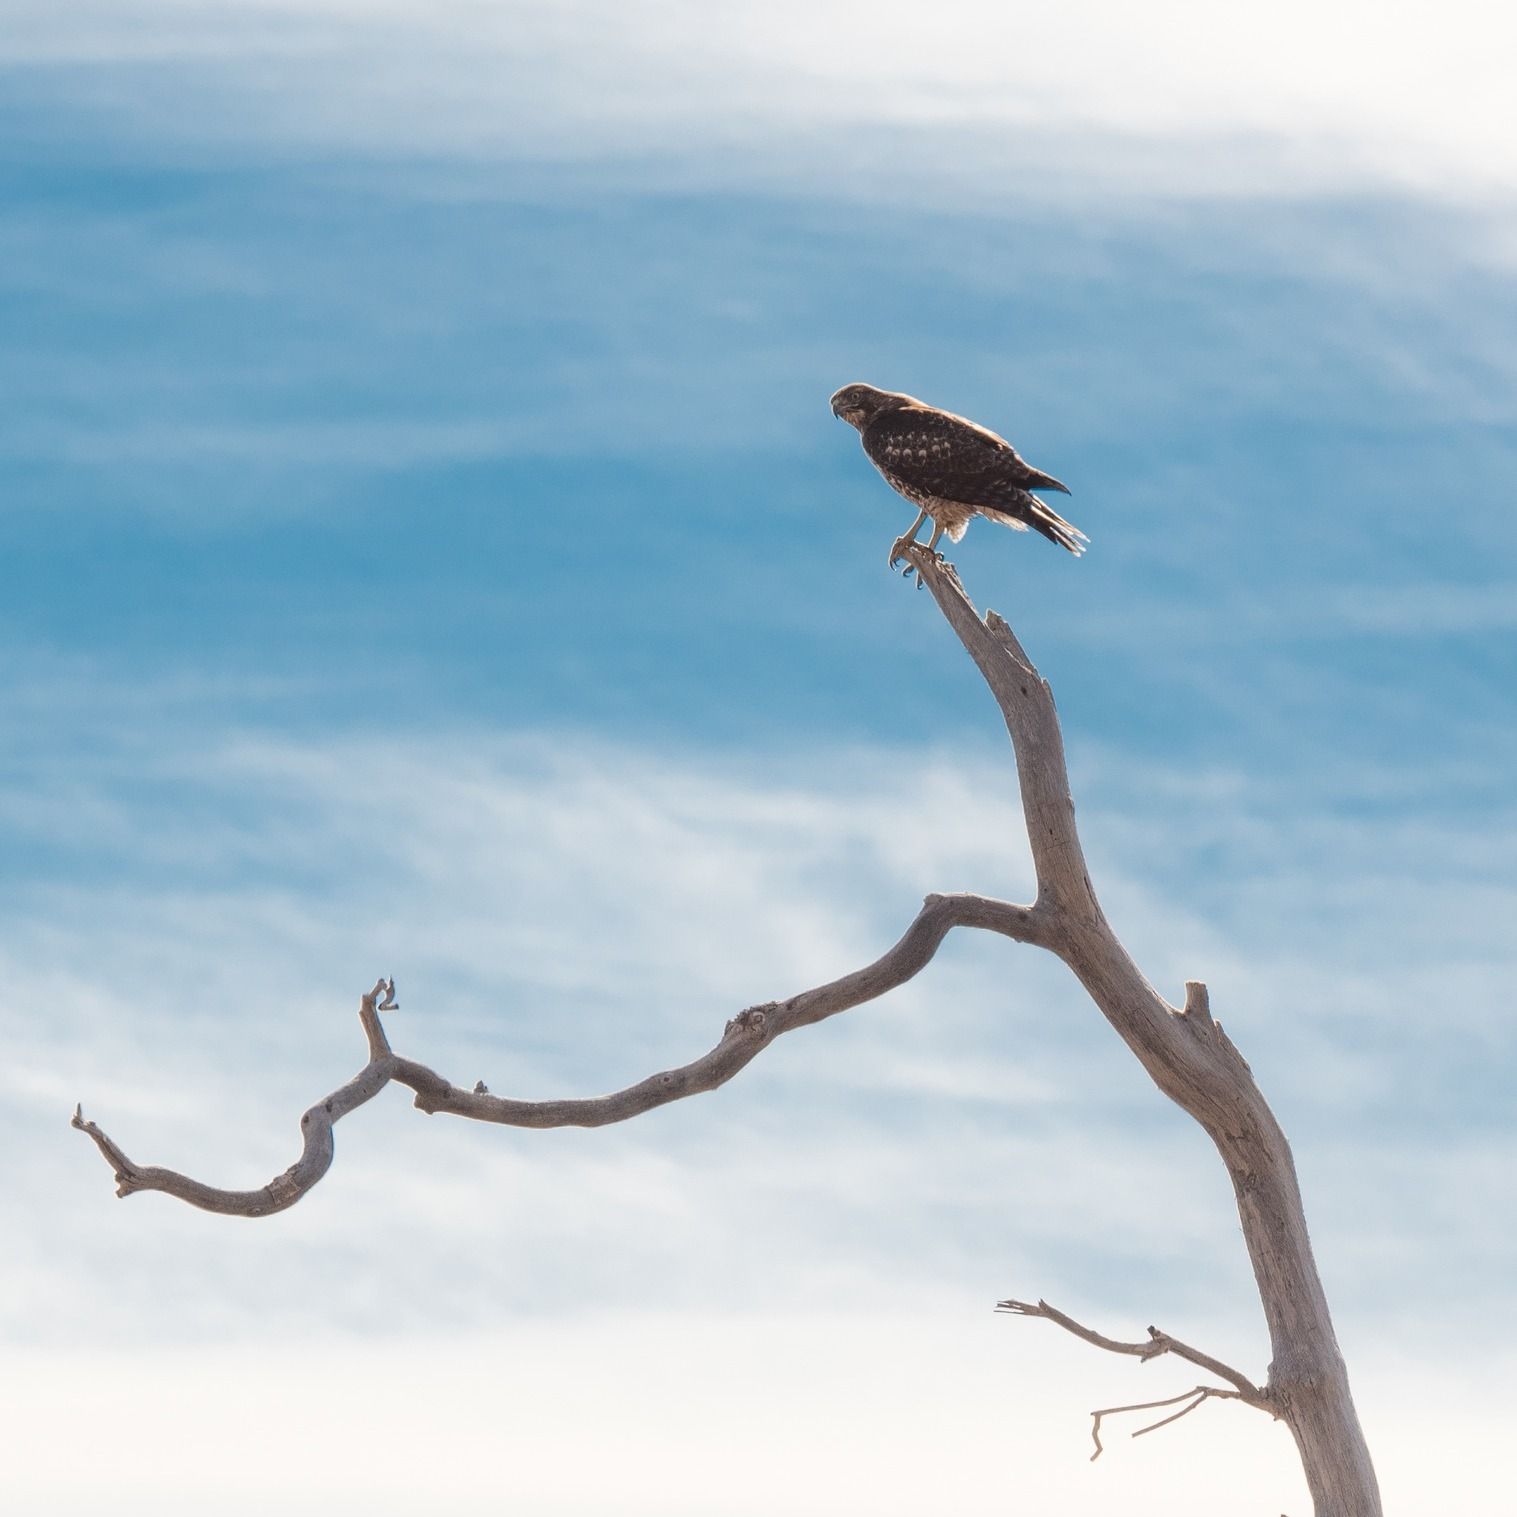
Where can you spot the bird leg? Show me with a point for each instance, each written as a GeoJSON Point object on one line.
{"type": "Point", "coordinates": [903, 539]}
{"type": "Point", "coordinates": [931, 546]}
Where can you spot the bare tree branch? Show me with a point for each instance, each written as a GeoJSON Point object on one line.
{"type": "Point", "coordinates": [1192, 1398]}
{"type": "Point", "coordinates": [1156, 1344]}
{"type": "Point", "coordinates": [1184, 1050]}
{"type": "Point", "coordinates": [745, 1036]}
{"type": "Point", "coordinates": [1193, 1061]}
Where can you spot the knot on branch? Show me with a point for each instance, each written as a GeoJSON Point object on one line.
{"type": "Point", "coordinates": [432, 1091]}
{"type": "Point", "coordinates": [754, 1021]}
{"type": "Point", "coordinates": [284, 1190]}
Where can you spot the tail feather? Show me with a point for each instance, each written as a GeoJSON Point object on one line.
{"type": "Point", "coordinates": [1041, 517]}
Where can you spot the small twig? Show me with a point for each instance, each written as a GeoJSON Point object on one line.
{"type": "Point", "coordinates": [1202, 1392]}
{"type": "Point", "coordinates": [1157, 1343]}
{"type": "Point", "coordinates": [1193, 1398]}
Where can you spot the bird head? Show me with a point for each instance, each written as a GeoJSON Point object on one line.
{"type": "Point", "coordinates": [858, 405]}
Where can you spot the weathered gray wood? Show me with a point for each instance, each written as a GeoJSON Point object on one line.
{"type": "Point", "coordinates": [1194, 1063]}
{"type": "Point", "coordinates": [1184, 1050]}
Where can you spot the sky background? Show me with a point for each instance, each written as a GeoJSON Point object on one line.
{"type": "Point", "coordinates": [425, 549]}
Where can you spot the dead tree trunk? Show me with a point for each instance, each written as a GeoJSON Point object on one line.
{"type": "Point", "coordinates": [1183, 1049]}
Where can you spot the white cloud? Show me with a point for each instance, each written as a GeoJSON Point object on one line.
{"type": "Point", "coordinates": [1185, 97]}
{"type": "Point", "coordinates": [565, 915]}
{"type": "Point", "coordinates": [893, 1411]}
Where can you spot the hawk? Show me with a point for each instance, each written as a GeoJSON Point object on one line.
{"type": "Point", "coordinates": [950, 469]}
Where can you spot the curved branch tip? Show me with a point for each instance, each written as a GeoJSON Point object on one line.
{"type": "Point", "coordinates": [1022, 1308]}
{"type": "Point", "coordinates": [369, 1007]}
{"type": "Point", "coordinates": [382, 997]}
{"type": "Point", "coordinates": [125, 1172]}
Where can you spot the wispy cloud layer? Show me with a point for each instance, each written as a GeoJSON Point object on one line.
{"type": "Point", "coordinates": [399, 400]}
{"type": "Point", "coordinates": [1181, 97]}
{"type": "Point", "coordinates": [566, 916]}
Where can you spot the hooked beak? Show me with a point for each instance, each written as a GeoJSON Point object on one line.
{"type": "Point", "coordinates": [850, 414]}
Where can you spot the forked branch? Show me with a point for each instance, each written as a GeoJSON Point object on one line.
{"type": "Point", "coordinates": [1157, 1343]}
{"type": "Point", "coordinates": [1152, 1347]}
{"type": "Point", "coordinates": [1185, 1051]}
{"type": "Point", "coordinates": [1192, 1399]}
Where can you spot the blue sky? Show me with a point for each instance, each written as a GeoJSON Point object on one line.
{"type": "Point", "coordinates": [425, 548]}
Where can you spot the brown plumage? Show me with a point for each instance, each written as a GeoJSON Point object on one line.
{"type": "Point", "coordinates": [951, 469]}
